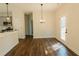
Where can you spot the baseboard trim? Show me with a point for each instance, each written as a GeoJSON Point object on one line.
{"type": "Point", "coordinates": [45, 38]}
{"type": "Point", "coordinates": [67, 48]}
{"type": "Point", "coordinates": [29, 35]}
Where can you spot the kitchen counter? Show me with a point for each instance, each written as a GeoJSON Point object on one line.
{"type": "Point", "coordinates": [8, 40]}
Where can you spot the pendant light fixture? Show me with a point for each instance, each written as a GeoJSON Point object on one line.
{"type": "Point", "coordinates": [41, 11]}
{"type": "Point", "coordinates": [42, 19]}
{"type": "Point", "coordinates": [8, 17]}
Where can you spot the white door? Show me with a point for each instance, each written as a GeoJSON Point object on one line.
{"type": "Point", "coordinates": [63, 29]}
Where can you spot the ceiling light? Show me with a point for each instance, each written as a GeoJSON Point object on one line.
{"type": "Point", "coordinates": [42, 19]}
{"type": "Point", "coordinates": [8, 17]}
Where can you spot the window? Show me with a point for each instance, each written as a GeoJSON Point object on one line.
{"type": "Point", "coordinates": [63, 27]}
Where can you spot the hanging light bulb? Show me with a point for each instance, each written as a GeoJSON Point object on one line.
{"type": "Point", "coordinates": [7, 18]}
{"type": "Point", "coordinates": [42, 20]}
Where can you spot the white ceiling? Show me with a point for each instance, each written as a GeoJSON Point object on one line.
{"type": "Point", "coordinates": [29, 7]}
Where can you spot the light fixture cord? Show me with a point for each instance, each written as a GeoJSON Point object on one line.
{"type": "Point", "coordinates": [41, 11]}
{"type": "Point", "coordinates": [7, 9]}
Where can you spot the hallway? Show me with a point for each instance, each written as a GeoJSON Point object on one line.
{"type": "Point", "coordinates": [40, 47]}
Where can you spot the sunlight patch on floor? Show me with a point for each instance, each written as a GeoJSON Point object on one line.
{"type": "Point", "coordinates": [57, 46]}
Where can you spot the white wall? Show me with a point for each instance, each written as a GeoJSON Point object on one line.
{"type": "Point", "coordinates": [71, 11]}
{"type": "Point", "coordinates": [44, 30]}
{"type": "Point", "coordinates": [19, 22]}
{"type": "Point", "coordinates": [40, 30]}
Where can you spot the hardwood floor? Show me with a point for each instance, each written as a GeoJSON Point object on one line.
{"type": "Point", "coordinates": [40, 47]}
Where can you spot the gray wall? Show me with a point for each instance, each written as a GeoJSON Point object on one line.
{"type": "Point", "coordinates": [28, 24]}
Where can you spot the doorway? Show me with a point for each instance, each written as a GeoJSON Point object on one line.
{"type": "Point", "coordinates": [29, 25]}
{"type": "Point", "coordinates": [63, 29]}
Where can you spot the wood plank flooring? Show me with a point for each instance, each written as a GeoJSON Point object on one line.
{"type": "Point", "coordinates": [40, 47]}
